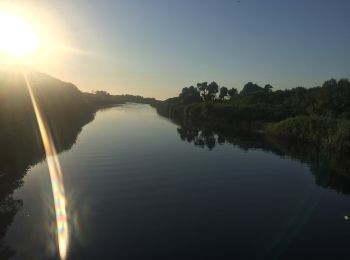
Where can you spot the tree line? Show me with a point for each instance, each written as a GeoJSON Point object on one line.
{"type": "Point", "coordinates": [102, 98]}
{"type": "Point", "coordinates": [319, 115]}
{"type": "Point", "coordinates": [205, 91]}
{"type": "Point", "coordinates": [332, 98]}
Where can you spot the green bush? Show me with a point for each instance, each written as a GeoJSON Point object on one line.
{"type": "Point", "coordinates": [322, 131]}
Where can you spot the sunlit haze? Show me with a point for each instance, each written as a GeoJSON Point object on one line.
{"type": "Point", "coordinates": [17, 37]}
{"type": "Point", "coordinates": [154, 48]}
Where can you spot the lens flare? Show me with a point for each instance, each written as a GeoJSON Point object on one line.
{"type": "Point", "coordinates": [17, 36]}
{"type": "Point", "coordinates": [55, 176]}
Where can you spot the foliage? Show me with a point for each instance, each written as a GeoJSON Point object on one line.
{"type": "Point", "coordinates": [232, 92]}
{"type": "Point", "coordinates": [223, 93]}
{"type": "Point", "coordinates": [213, 89]}
{"type": "Point", "coordinates": [208, 91]}
{"type": "Point", "coordinates": [251, 88]}
{"type": "Point", "coordinates": [190, 95]}
{"type": "Point", "coordinates": [318, 115]}
{"type": "Point", "coordinates": [322, 131]}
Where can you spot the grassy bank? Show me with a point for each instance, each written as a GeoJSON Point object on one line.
{"type": "Point", "coordinates": [321, 131]}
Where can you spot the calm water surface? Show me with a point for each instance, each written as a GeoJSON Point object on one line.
{"type": "Point", "coordinates": [137, 191]}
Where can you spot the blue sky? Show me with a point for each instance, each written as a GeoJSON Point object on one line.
{"type": "Point", "coordinates": [156, 47]}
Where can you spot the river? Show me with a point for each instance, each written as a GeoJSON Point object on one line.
{"type": "Point", "coordinates": [139, 186]}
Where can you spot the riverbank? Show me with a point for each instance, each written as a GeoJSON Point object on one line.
{"type": "Point", "coordinates": [318, 116]}
{"type": "Point", "coordinates": [64, 107]}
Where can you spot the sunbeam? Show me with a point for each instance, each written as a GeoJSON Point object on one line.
{"type": "Point", "coordinates": [55, 176]}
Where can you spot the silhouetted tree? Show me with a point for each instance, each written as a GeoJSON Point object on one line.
{"type": "Point", "coordinates": [251, 88]}
{"type": "Point", "coordinates": [208, 92]}
{"type": "Point", "coordinates": [213, 88]}
{"type": "Point", "coordinates": [203, 88]}
{"type": "Point", "coordinates": [190, 95]}
{"type": "Point", "coordinates": [330, 83]}
{"type": "Point", "coordinates": [232, 92]}
{"type": "Point", "coordinates": [223, 93]}
{"type": "Point", "coordinates": [344, 83]}
{"type": "Point", "coordinates": [268, 88]}
{"type": "Point", "coordinates": [101, 93]}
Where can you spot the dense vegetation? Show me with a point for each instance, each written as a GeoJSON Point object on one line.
{"type": "Point", "coordinates": [318, 115]}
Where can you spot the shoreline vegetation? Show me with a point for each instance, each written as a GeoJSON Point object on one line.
{"type": "Point", "coordinates": [318, 116]}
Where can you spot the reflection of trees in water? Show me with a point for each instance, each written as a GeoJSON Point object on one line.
{"type": "Point", "coordinates": [202, 138]}
{"type": "Point", "coordinates": [14, 164]}
{"type": "Point", "coordinates": [8, 209]}
{"type": "Point", "coordinates": [20, 143]}
{"type": "Point", "coordinates": [331, 170]}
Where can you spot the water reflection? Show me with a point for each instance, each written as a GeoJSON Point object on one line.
{"type": "Point", "coordinates": [331, 170]}
{"type": "Point", "coordinates": [150, 195]}
{"type": "Point", "coordinates": [14, 164]}
{"type": "Point", "coordinates": [20, 141]}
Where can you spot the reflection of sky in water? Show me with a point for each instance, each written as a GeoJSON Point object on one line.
{"type": "Point", "coordinates": [136, 189]}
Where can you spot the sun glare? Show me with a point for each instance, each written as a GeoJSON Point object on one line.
{"type": "Point", "coordinates": [17, 37]}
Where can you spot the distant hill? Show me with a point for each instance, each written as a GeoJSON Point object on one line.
{"type": "Point", "coordinates": [66, 111]}
{"type": "Point", "coordinates": [64, 106]}
{"type": "Point", "coordinates": [103, 98]}
{"type": "Point", "coordinates": [61, 103]}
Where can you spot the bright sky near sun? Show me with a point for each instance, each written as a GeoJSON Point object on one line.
{"type": "Point", "coordinates": [156, 47]}
{"type": "Point", "coordinates": [15, 32]}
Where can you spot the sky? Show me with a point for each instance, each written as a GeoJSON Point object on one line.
{"type": "Point", "coordinates": [155, 48]}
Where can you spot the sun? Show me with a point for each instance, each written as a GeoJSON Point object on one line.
{"type": "Point", "coordinates": [17, 37]}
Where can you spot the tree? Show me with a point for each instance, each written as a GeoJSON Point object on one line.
{"type": "Point", "coordinates": [223, 93]}
{"type": "Point", "coordinates": [190, 95]}
{"type": "Point", "coordinates": [203, 88]}
{"type": "Point", "coordinates": [343, 83]}
{"type": "Point", "coordinates": [232, 92]}
{"type": "Point", "coordinates": [251, 88]}
{"type": "Point", "coordinates": [208, 92]}
{"type": "Point", "coordinates": [330, 83]}
{"type": "Point", "coordinates": [101, 93]}
{"type": "Point", "coordinates": [268, 88]}
{"type": "Point", "coordinates": [213, 88]}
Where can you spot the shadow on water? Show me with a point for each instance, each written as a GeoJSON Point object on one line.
{"type": "Point", "coordinates": [331, 170]}
{"type": "Point", "coordinates": [20, 143]}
